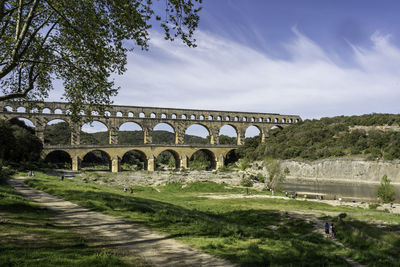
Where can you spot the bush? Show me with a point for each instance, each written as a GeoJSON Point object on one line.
{"type": "Point", "coordinates": [244, 164]}
{"type": "Point", "coordinates": [385, 190]}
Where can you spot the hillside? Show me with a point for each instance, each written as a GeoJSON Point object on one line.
{"type": "Point", "coordinates": [335, 137]}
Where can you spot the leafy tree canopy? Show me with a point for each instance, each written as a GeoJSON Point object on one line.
{"type": "Point", "coordinates": [81, 42]}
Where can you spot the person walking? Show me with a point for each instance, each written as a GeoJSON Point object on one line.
{"type": "Point", "coordinates": [327, 229]}
{"type": "Point", "coordinates": [333, 231]}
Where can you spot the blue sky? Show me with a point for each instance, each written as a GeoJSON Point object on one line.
{"type": "Point", "coordinates": [313, 58]}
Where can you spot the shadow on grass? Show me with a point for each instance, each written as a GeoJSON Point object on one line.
{"type": "Point", "coordinates": [370, 244]}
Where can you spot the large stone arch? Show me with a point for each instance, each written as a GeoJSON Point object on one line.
{"type": "Point", "coordinates": [103, 152]}
{"type": "Point", "coordinates": [18, 116]}
{"type": "Point", "coordinates": [142, 155]}
{"type": "Point", "coordinates": [121, 122]}
{"type": "Point", "coordinates": [96, 120]}
{"type": "Point", "coordinates": [175, 154]}
{"type": "Point", "coordinates": [207, 127]}
{"type": "Point", "coordinates": [47, 128]}
{"type": "Point", "coordinates": [211, 156]}
{"type": "Point", "coordinates": [229, 125]}
{"type": "Point", "coordinates": [174, 132]}
{"type": "Point", "coordinates": [57, 159]}
{"type": "Point", "coordinates": [136, 133]}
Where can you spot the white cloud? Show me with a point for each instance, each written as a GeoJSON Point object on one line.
{"type": "Point", "coordinates": [225, 75]}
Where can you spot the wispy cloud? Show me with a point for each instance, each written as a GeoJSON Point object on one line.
{"type": "Point", "coordinates": [226, 75]}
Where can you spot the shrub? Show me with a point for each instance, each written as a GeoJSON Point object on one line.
{"type": "Point", "coordinates": [385, 190]}
{"type": "Point", "coordinates": [244, 164]}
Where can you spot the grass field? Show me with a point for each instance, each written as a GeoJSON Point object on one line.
{"type": "Point", "coordinates": [29, 237]}
{"type": "Point", "coordinates": [251, 232]}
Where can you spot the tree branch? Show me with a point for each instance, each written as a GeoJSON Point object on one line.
{"type": "Point", "coordinates": [13, 62]}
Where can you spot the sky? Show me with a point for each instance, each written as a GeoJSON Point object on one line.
{"type": "Point", "coordinates": [313, 58]}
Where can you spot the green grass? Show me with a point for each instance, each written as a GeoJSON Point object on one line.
{"type": "Point", "coordinates": [29, 237]}
{"type": "Point", "coordinates": [237, 229]}
{"type": "Point", "coordinates": [228, 228]}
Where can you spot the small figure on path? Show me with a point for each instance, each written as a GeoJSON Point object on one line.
{"type": "Point", "coordinates": [125, 189]}
{"type": "Point", "coordinates": [272, 191]}
{"type": "Point", "coordinates": [333, 231]}
{"type": "Point", "coordinates": [334, 197]}
{"type": "Point", "coordinates": [286, 193]}
{"type": "Point", "coordinates": [327, 229]}
{"type": "Point", "coordinates": [247, 190]}
{"type": "Point", "coordinates": [62, 178]}
{"type": "Point", "coordinates": [131, 190]}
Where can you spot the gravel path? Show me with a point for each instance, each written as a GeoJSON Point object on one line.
{"type": "Point", "coordinates": [132, 238]}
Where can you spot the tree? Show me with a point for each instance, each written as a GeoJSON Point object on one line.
{"type": "Point", "coordinates": [385, 190]}
{"type": "Point", "coordinates": [81, 42]}
{"type": "Point", "coordinates": [275, 173]}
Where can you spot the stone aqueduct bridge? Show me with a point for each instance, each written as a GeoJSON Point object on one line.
{"type": "Point", "coordinates": [41, 113]}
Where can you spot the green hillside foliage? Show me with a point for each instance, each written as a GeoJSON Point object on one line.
{"type": "Point", "coordinates": [332, 137]}
{"type": "Point", "coordinates": [18, 143]}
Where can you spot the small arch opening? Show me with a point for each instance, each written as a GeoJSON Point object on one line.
{"type": "Point", "coordinates": [58, 111]}
{"type": "Point", "coordinates": [192, 117]}
{"type": "Point", "coordinates": [183, 117]}
{"type": "Point", "coordinates": [201, 117]}
{"type": "Point", "coordinates": [130, 114]}
{"type": "Point", "coordinates": [46, 111]}
{"type": "Point", "coordinates": [107, 113]}
{"type": "Point", "coordinates": [227, 118]}
{"type": "Point", "coordinates": [34, 110]}
{"type": "Point", "coordinates": [210, 118]}
{"type": "Point", "coordinates": [153, 115]}
{"type": "Point", "coordinates": [141, 115]}
{"type": "Point", "coordinates": [8, 109]}
{"type": "Point", "coordinates": [119, 114]}
{"type": "Point", "coordinates": [163, 116]}
{"type": "Point", "coordinates": [219, 118]}
{"type": "Point", "coordinates": [21, 109]}
{"type": "Point", "coordinates": [173, 116]}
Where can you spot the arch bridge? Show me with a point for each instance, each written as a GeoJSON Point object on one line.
{"type": "Point", "coordinates": [41, 113]}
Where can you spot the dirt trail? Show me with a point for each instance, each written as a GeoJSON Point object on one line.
{"type": "Point", "coordinates": [132, 238]}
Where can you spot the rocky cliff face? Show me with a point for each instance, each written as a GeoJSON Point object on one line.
{"type": "Point", "coordinates": [343, 170]}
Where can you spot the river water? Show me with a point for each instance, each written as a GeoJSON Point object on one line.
{"type": "Point", "coordinates": [346, 191]}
